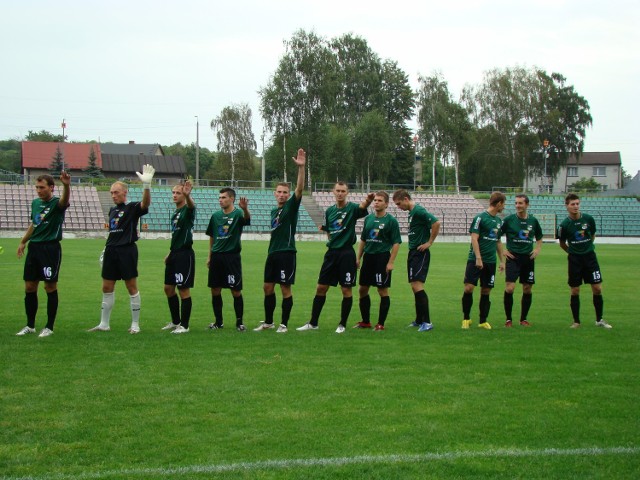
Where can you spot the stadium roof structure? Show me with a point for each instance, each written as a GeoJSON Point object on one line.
{"type": "Point", "coordinates": [76, 155]}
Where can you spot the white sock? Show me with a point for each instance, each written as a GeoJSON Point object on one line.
{"type": "Point", "coordinates": [108, 299]}
{"type": "Point", "coordinates": [135, 310]}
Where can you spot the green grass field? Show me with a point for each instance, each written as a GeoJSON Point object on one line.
{"type": "Point", "coordinates": [544, 402]}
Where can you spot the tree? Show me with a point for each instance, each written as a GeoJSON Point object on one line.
{"type": "Point", "coordinates": [235, 137]}
{"type": "Point", "coordinates": [371, 148]}
{"type": "Point", "coordinates": [57, 163]}
{"type": "Point", "coordinates": [586, 185]}
{"type": "Point", "coordinates": [360, 71]}
{"type": "Point", "coordinates": [10, 155]}
{"type": "Point", "coordinates": [522, 108]}
{"type": "Point", "coordinates": [43, 136]}
{"type": "Point", "coordinates": [320, 83]}
{"type": "Point", "coordinates": [93, 170]}
{"type": "Point", "coordinates": [335, 156]}
{"type": "Point", "coordinates": [443, 127]}
{"type": "Point", "coordinates": [188, 153]}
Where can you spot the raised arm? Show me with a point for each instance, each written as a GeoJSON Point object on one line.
{"type": "Point", "coordinates": [186, 189]}
{"type": "Point", "coordinates": [244, 205]}
{"type": "Point", "coordinates": [65, 178]}
{"type": "Point", "coordinates": [300, 160]}
{"type": "Point", "coordinates": [145, 177]}
{"type": "Point", "coordinates": [367, 201]}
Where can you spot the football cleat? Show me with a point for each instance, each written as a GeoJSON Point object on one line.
{"type": "Point", "coordinates": [45, 332]}
{"type": "Point", "coordinates": [25, 331]}
{"type": "Point", "coordinates": [307, 326]}
{"type": "Point", "coordinates": [170, 326]}
{"type": "Point", "coordinates": [378, 328]}
{"type": "Point", "coordinates": [362, 325]}
{"type": "Point", "coordinates": [466, 324]}
{"type": "Point", "coordinates": [575, 325]}
{"type": "Point", "coordinates": [425, 327]}
{"type": "Point", "coordinates": [603, 324]}
{"type": "Point", "coordinates": [263, 326]}
{"type": "Point", "coordinates": [180, 329]}
{"type": "Point", "coordinates": [341, 328]}
{"type": "Point", "coordinates": [484, 325]}
{"type": "Point", "coordinates": [524, 323]}
{"type": "Point", "coordinates": [282, 329]}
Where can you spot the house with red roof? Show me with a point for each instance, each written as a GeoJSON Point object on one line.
{"type": "Point", "coordinates": [115, 160]}
{"type": "Point", "coordinates": [38, 156]}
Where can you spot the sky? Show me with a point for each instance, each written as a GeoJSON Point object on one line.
{"type": "Point", "coordinates": [160, 71]}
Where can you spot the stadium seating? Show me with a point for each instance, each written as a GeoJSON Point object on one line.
{"type": "Point", "coordinates": [615, 216]}
{"type": "Point", "coordinates": [84, 212]}
{"type": "Point", "coordinates": [455, 212]}
{"type": "Point", "coordinates": [260, 204]}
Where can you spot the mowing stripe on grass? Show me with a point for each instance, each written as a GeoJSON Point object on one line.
{"type": "Point", "coordinates": [338, 461]}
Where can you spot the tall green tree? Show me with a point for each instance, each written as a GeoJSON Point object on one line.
{"type": "Point", "coordinates": [235, 139]}
{"type": "Point", "coordinates": [93, 170]}
{"type": "Point", "coordinates": [301, 95]}
{"type": "Point", "coordinates": [523, 107]}
{"type": "Point", "coordinates": [335, 155]}
{"type": "Point", "coordinates": [372, 148]}
{"type": "Point", "coordinates": [360, 73]}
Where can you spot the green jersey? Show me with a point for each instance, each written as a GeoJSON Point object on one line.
{"type": "Point", "coordinates": [521, 233]}
{"type": "Point", "coordinates": [226, 231]}
{"type": "Point", "coordinates": [420, 223]}
{"type": "Point", "coordinates": [578, 234]}
{"type": "Point", "coordinates": [340, 224]}
{"type": "Point", "coordinates": [380, 234]}
{"type": "Point", "coordinates": [46, 219]}
{"type": "Point", "coordinates": [284, 221]}
{"type": "Point", "coordinates": [182, 222]}
{"type": "Point", "coordinates": [488, 227]}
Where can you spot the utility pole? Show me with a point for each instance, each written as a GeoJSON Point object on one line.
{"type": "Point", "coordinates": [197, 150]}
{"type": "Point", "coordinates": [64, 125]}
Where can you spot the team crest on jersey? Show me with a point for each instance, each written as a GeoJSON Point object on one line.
{"type": "Point", "coordinates": [373, 234]}
{"type": "Point", "coordinates": [174, 224]}
{"type": "Point", "coordinates": [275, 221]}
{"type": "Point", "coordinates": [337, 224]}
{"type": "Point", "coordinates": [223, 230]}
{"type": "Point", "coordinates": [524, 234]}
{"type": "Point", "coordinates": [41, 215]}
{"type": "Point", "coordinates": [115, 221]}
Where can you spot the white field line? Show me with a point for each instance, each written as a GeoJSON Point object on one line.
{"type": "Point", "coordinates": [335, 461]}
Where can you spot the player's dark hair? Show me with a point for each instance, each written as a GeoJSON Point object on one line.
{"type": "Point", "coordinates": [570, 198]}
{"type": "Point", "coordinates": [522, 195]}
{"type": "Point", "coordinates": [496, 198]}
{"type": "Point", "coordinates": [401, 195]}
{"type": "Point", "coordinates": [230, 191]}
{"type": "Point", "coordinates": [383, 194]}
{"type": "Point", "coordinates": [341, 183]}
{"type": "Point", "coordinates": [47, 178]}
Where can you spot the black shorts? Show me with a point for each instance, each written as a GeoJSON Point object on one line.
{"type": "Point", "coordinates": [486, 274]}
{"type": "Point", "coordinates": [120, 263]}
{"type": "Point", "coordinates": [180, 268]}
{"type": "Point", "coordinates": [373, 271]}
{"type": "Point", "coordinates": [225, 271]}
{"type": "Point", "coordinates": [42, 262]}
{"type": "Point", "coordinates": [339, 266]}
{"type": "Point", "coordinates": [521, 267]}
{"type": "Point", "coordinates": [280, 267]}
{"type": "Point", "coordinates": [584, 268]}
{"type": "Point", "coordinates": [418, 265]}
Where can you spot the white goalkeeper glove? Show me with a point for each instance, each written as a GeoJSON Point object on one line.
{"type": "Point", "coordinates": [146, 176]}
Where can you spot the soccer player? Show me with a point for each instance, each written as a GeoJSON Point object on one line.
{"type": "Point", "coordinates": [44, 254]}
{"type": "Point", "coordinates": [423, 230]}
{"type": "Point", "coordinates": [379, 243]}
{"type": "Point", "coordinates": [280, 266]}
{"type": "Point", "coordinates": [339, 265]}
{"type": "Point", "coordinates": [522, 230]}
{"type": "Point", "coordinates": [224, 262]}
{"type": "Point", "coordinates": [180, 265]}
{"type": "Point", "coordinates": [120, 260]}
{"type": "Point", "coordinates": [577, 233]}
{"type": "Point", "coordinates": [485, 233]}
